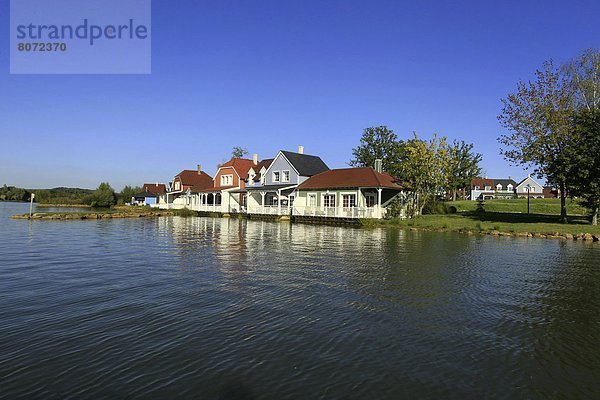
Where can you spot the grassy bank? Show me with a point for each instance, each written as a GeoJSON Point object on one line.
{"type": "Point", "coordinates": [537, 206]}
{"type": "Point", "coordinates": [510, 223]}
{"type": "Point", "coordinates": [106, 213]}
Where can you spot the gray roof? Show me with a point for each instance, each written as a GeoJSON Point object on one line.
{"type": "Point", "coordinates": [145, 194]}
{"type": "Point", "coordinates": [505, 182]}
{"type": "Point", "coordinates": [305, 164]}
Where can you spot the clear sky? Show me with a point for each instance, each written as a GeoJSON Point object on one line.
{"type": "Point", "coordinates": [271, 75]}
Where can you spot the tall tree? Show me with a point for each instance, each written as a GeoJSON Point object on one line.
{"type": "Point", "coordinates": [463, 166]}
{"type": "Point", "coordinates": [424, 170]}
{"type": "Point", "coordinates": [379, 142]}
{"type": "Point", "coordinates": [585, 178]}
{"type": "Point", "coordinates": [238, 152]}
{"type": "Point", "coordinates": [538, 118]}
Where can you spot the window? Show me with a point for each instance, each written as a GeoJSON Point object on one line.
{"type": "Point", "coordinates": [226, 180]}
{"type": "Point", "coordinates": [177, 185]}
{"type": "Point", "coordinates": [329, 200]}
{"type": "Point", "coordinates": [370, 198]}
{"type": "Point", "coordinates": [488, 188]}
{"type": "Point", "coordinates": [312, 200]}
{"type": "Point", "coordinates": [348, 200]}
{"type": "Point", "coordinates": [510, 187]}
{"type": "Point", "coordinates": [276, 176]}
{"type": "Point", "coordinates": [477, 187]}
{"type": "Point", "coordinates": [498, 187]}
{"type": "Point", "coordinates": [285, 176]}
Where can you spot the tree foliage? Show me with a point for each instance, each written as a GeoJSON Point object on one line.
{"type": "Point", "coordinates": [462, 167]}
{"type": "Point", "coordinates": [583, 75]}
{"type": "Point", "coordinates": [424, 170]}
{"type": "Point", "coordinates": [379, 142]}
{"type": "Point", "coordinates": [127, 193]}
{"type": "Point", "coordinates": [538, 119]}
{"type": "Point", "coordinates": [11, 193]}
{"type": "Point", "coordinates": [104, 196]}
{"type": "Point", "coordinates": [238, 152]}
{"type": "Point", "coordinates": [585, 151]}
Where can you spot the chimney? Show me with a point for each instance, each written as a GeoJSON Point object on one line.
{"type": "Point", "coordinates": [199, 170]}
{"type": "Point", "coordinates": [156, 184]}
{"type": "Point", "coordinates": [255, 159]}
{"type": "Point", "coordinates": [300, 149]}
{"type": "Point", "coordinates": [378, 165]}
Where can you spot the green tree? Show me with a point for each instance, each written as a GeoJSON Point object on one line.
{"type": "Point", "coordinates": [104, 196]}
{"type": "Point", "coordinates": [128, 192]}
{"type": "Point", "coordinates": [424, 170]}
{"type": "Point", "coordinates": [238, 152]}
{"type": "Point", "coordinates": [585, 178]}
{"type": "Point", "coordinates": [379, 142]}
{"type": "Point", "coordinates": [538, 118]}
{"type": "Point", "coordinates": [462, 167]}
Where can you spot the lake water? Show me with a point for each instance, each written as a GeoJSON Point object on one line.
{"type": "Point", "coordinates": [205, 308]}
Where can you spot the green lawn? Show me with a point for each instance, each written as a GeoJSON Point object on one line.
{"type": "Point", "coordinates": [537, 206]}
{"type": "Point", "coordinates": [498, 221]}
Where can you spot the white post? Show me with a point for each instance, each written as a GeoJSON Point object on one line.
{"type": "Point", "coordinates": [379, 202]}
{"type": "Point", "coordinates": [279, 202]}
{"type": "Point", "coordinates": [31, 204]}
{"type": "Point", "coordinates": [262, 202]}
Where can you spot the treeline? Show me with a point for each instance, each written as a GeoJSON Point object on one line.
{"type": "Point", "coordinates": [103, 196]}
{"type": "Point", "coordinates": [553, 124]}
{"type": "Point", "coordinates": [431, 169]}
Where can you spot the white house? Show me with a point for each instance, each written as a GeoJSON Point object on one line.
{"type": "Point", "coordinates": [530, 187]}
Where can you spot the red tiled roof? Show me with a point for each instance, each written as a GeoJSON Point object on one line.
{"type": "Point", "coordinates": [350, 178]}
{"type": "Point", "coordinates": [197, 181]}
{"type": "Point", "coordinates": [216, 189]}
{"type": "Point", "coordinates": [154, 188]}
{"type": "Point", "coordinates": [240, 165]}
{"type": "Point", "coordinates": [264, 163]}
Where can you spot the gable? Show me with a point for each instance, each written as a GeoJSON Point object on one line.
{"type": "Point", "coordinates": [280, 163]}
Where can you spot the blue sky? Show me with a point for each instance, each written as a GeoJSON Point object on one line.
{"type": "Point", "coordinates": [271, 75]}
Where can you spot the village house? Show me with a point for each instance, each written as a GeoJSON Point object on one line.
{"type": "Point", "coordinates": [486, 188]}
{"type": "Point", "coordinates": [529, 187]}
{"type": "Point", "coordinates": [179, 191]}
{"type": "Point", "coordinates": [228, 192]}
{"type": "Point", "coordinates": [350, 193]}
{"type": "Point", "coordinates": [149, 194]}
{"type": "Point", "coordinates": [274, 192]}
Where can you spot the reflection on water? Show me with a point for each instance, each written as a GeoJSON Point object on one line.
{"type": "Point", "coordinates": [227, 308]}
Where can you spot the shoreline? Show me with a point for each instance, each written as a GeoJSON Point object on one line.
{"type": "Point", "coordinates": [49, 205]}
{"type": "Point", "coordinates": [410, 224]}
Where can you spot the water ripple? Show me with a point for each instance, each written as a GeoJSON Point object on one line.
{"type": "Point", "coordinates": [225, 308]}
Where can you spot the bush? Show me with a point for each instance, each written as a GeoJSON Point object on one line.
{"type": "Point", "coordinates": [104, 196]}
{"type": "Point", "coordinates": [438, 207]}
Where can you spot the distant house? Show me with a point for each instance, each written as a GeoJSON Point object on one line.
{"type": "Point", "coordinates": [349, 193]}
{"type": "Point", "coordinates": [150, 194]}
{"type": "Point", "coordinates": [529, 187]}
{"type": "Point", "coordinates": [179, 192]}
{"type": "Point", "coordinates": [274, 193]}
{"type": "Point", "coordinates": [486, 188]}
